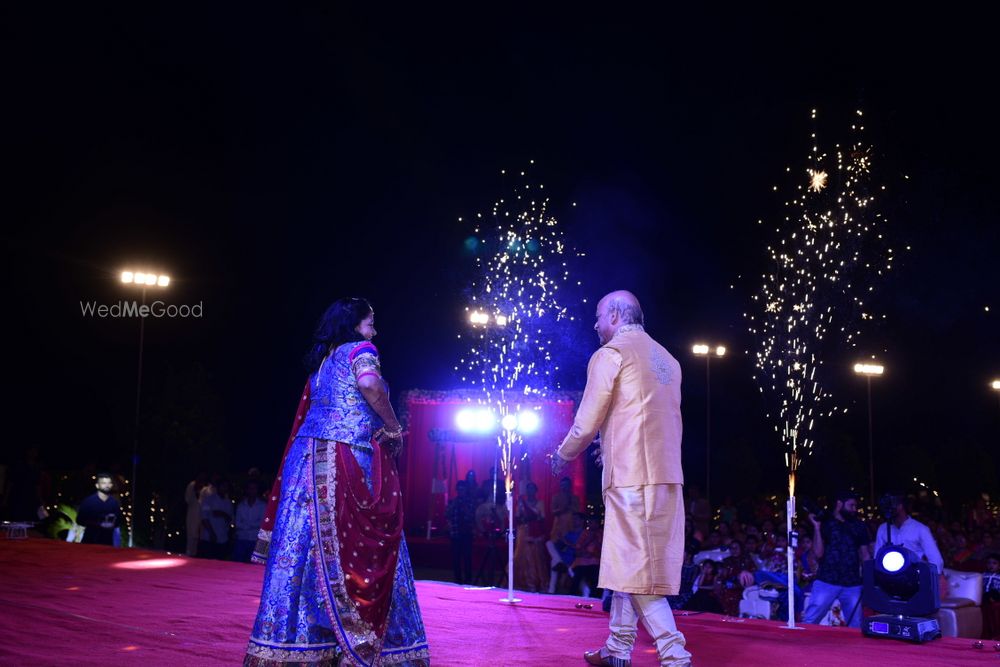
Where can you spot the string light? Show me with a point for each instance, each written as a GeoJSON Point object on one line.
{"type": "Point", "coordinates": [827, 255]}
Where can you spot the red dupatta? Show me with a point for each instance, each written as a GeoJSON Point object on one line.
{"type": "Point", "coordinates": [369, 527]}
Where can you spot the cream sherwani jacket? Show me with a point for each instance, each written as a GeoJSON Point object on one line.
{"type": "Point", "coordinates": [633, 397]}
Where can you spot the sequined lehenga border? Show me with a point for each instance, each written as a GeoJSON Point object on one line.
{"type": "Point", "coordinates": [357, 642]}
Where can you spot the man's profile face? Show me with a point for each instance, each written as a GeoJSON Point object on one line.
{"type": "Point", "coordinates": [606, 321]}
{"type": "Point", "coordinates": [850, 507]}
{"type": "Point", "coordinates": [104, 484]}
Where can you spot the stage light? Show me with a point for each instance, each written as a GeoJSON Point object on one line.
{"type": "Point", "coordinates": [527, 422]}
{"type": "Point", "coordinates": [501, 320]}
{"type": "Point", "coordinates": [127, 276]}
{"type": "Point", "coordinates": [475, 420]}
{"type": "Point", "coordinates": [903, 589]}
{"type": "Point", "coordinates": [720, 351]}
{"type": "Point", "coordinates": [464, 420]}
{"type": "Point", "coordinates": [869, 369]}
{"type": "Point", "coordinates": [163, 281]}
{"type": "Point", "coordinates": [893, 561]}
{"type": "Point", "coordinates": [140, 278]}
{"type": "Point", "coordinates": [700, 349]}
{"type": "Point", "coordinates": [509, 422]}
{"type": "Point", "coordinates": [485, 421]}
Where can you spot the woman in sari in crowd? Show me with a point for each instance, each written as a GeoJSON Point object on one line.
{"type": "Point", "coordinates": [338, 586]}
{"type": "Point", "coordinates": [530, 571]}
{"type": "Point", "coordinates": [735, 574]}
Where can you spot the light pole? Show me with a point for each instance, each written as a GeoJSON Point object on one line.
{"type": "Point", "coordinates": [703, 350]}
{"type": "Point", "coordinates": [869, 370]}
{"type": "Point", "coordinates": [144, 280]}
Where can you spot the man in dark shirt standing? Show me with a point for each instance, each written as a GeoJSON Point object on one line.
{"type": "Point", "coordinates": [840, 543]}
{"type": "Point", "coordinates": [100, 513]}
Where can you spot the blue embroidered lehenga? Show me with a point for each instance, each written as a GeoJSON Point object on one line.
{"type": "Point", "coordinates": [338, 586]}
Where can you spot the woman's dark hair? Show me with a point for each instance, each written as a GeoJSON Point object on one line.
{"type": "Point", "coordinates": [336, 327]}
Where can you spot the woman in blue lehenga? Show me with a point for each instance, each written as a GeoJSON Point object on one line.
{"type": "Point", "coordinates": [338, 586]}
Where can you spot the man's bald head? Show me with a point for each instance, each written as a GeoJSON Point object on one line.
{"type": "Point", "coordinates": [614, 311]}
{"type": "Point", "coordinates": [625, 304]}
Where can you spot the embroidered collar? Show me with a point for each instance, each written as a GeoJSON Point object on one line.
{"type": "Point", "coordinates": [627, 328]}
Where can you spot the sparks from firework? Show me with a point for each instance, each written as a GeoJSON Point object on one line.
{"type": "Point", "coordinates": [516, 310]}
{"type": "Point", "coordinates": [817, 180]}
{"type": "Point", "coordinates": [825, 262]}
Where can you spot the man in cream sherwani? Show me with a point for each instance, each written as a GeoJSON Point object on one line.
{"type": "Point", "coordinates": [633, 397]}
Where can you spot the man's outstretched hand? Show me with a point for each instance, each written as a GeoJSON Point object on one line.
{"type": "Point", "coordinates": [558, 463]}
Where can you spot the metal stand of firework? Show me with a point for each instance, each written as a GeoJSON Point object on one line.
{"type": "Point", "coordinates": [792, 538]}
{"type": "Point", "coordinates": [510, 599]}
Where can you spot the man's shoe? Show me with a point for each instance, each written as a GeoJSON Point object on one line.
{"type": "Point", "coordinates": [595, 658]}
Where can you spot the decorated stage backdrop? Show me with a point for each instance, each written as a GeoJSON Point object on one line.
{"type": "Point", "coordinates": [436, 455]}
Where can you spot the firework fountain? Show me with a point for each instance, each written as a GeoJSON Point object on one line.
{"type": "Point", "coordinates": [827, 255]}
{"type": "Point", "coordinates": [515, 311]}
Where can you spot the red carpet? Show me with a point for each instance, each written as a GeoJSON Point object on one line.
{"type": "Point", "coordinates": [72, 604]}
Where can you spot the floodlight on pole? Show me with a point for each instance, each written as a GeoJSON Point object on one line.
{"type": "Point", "coordinates": [868, 371]}
{"type": "Point", "coordinates": [707, 351]}
{"type": "Point", "coordinates": [144, 279]}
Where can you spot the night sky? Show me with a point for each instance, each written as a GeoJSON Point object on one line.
{"type": "Point", "coordinates": [273, 162]}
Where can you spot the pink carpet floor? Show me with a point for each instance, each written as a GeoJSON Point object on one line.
{"type": "Point", "coordinates": [80, 605]}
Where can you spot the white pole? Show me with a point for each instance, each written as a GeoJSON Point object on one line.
{"type": "Point", "coordinates": [790, 512]}
{"type": "Point", "coordinates": [510, 549]}
{"type": "Point", "coordinates": [793, 466]}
